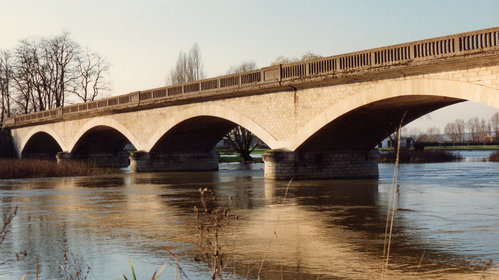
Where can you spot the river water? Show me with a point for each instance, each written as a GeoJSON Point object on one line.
{"type": "Point", "coordinates": [446, 224]}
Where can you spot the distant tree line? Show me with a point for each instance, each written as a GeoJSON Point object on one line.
{"type": "Point", "coordinates": [474, 130]}
{"type": "Point", "coordinates": [42, 74]}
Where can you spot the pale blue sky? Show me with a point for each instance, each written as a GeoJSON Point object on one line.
{"type": "Point", "coordinates": [142, 39]}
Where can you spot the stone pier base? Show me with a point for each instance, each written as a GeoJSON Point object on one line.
{"type": "Point", "coordinates": [284, 165]}
{"type": "Point", "coordinates": [98, 160]}
{"type": "Point", "coordinates": [144, 162]}
{"type": "Point", "coordinates": [63, 157]}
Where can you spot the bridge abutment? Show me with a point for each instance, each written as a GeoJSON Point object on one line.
{"type": "Point", "coordinates": [285, 165]}
{"type": "Point", "coordinates": [145, 162]}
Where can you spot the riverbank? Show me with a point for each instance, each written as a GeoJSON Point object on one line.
{"type": "Point", "coordinates": [35, 168]}
{"type": "Point", "coordinates": [453, 147]}
{"type": "Point", "coordinates": [425, 156]}
{"type": "Point", "coordinates": [230, 156]}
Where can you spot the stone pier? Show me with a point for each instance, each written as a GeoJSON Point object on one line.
{"type": "Point", "coordinates": [98, 160]}
{"type": "Point", "coordinates": [285, 165]}
{"type": "Point", "coordinates": [144, 162]}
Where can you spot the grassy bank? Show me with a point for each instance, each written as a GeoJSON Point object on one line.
{"type": "Point", "coordinates": [453, 147]}
{"type": "Point", "coordinates": [35, 168]}
{"type": "Point", "coordinates": [425, 156]}
{"type": "Point", "coordinates": [464, 147]}
{"type": "Point", "coordinates": [229, 155]}
{"type": "Point", "coordinates": [226, 159]}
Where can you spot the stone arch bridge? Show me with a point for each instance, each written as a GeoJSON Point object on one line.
{"type": "Point", "coordinates": [321, 118]}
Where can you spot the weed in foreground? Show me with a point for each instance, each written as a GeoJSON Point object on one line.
{"type": "Point", "coordinates": [391, 206]}
{"type": "Point", "coordinates": [155, 275]}
{"type": "Point", "coordinates": [7, 220]}
{"type": "Point", "coordinates": [211, 221]}
{"type": "Point", "coordinates": [71, 268]}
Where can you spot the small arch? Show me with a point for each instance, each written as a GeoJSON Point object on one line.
{"type": "Point", "coordinates": [203, 110]}
{"type": "Point", "coordinates": [46, 130]}
{"type": "Point", "coordinates": [102, 146]}
{"type": "Point", "coordinates": [41, 145]}
{"type": "Point", "coordinates": [103, 122]}
{"type": "Point", "coordinates": [446, 91]}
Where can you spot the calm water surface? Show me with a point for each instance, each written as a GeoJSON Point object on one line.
{"type": "Point", "coordinates": [446, 225]}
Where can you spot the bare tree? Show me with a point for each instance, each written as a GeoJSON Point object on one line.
{"type": "Point", "coordinates": [189, 67]}
{"type": "Point", "coordinates": [452, 131]}
{"type": "Point", "coordinates": [433, 133]}
{"type": "Point", "coordinates": [44, 72]}
{"type": "Point", "coordinates": [483, 130]}
{"type": "Point", "coordinates": [195, 63]}
{"type": "Point", "coordinates": [473, 125]}
{"type": "Point", "coordinates": [61, 53]}
{"type": "Point", "coordinates": [285, 60]}
{"type": "Point", "coordinates": [91, 76]}
{"type": "Point", "coordinates": [461, 129]}
{"type": "Point", "coordinates": [243, 142]}
{"type": "Point", "coordinates": [23, 75]}
{"type": "Point", "coordinates": [5, 80]}
{"type": "Point", "coordinates": [494, 125]}
{"type": "Point", "coordinates": [243, 67]}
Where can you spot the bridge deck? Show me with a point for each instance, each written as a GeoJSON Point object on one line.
{"type": "Point", "coordinates": [409, 58]}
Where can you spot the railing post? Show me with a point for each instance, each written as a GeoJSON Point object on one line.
{"type": "Point", "coordinates": [456, 44]}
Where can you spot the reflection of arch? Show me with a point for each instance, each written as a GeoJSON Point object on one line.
{"type": "Point", "coordinates": [397, 88]}
{"type": "Point", "coordinates": [211, 111]}
{"type": "Point", "coordinates": [36, 130]}
{"type": "Point", "coordinates": [107, 122]}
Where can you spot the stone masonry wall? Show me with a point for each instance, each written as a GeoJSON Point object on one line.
{"type": "Point", "coordinates": [282, 165]}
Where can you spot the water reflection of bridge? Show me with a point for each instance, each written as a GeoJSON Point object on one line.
{"type": "Point", "coordinates": [333, 228]}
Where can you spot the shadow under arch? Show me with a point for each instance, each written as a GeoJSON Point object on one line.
{"type": "Point", "coordinates": [364, 119]}
{"type": "Point", "coordinates": [195, 135]}
{"type": "Point", "coordinates": [41, 145]}
{"type": "Point", "coordinates": [214, 115]}
{"type": "Point", "coordinates": [104, 146]}
{"type": "Point", "coordinates": [45, 130]}
{"type": "Point", "coordinates": [103, 122]}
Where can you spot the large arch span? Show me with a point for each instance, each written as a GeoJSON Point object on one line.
{"type": "Point", "coordinates": [209, 113]}
{"type": "Point", "coordinates": [379, 109]}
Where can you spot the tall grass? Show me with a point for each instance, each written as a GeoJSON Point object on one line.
{"type": "Point", "coordinates": [35, 168]}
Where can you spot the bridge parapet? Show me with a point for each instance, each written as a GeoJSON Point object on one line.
{"type": "Point", "coordinates": [430, 51]}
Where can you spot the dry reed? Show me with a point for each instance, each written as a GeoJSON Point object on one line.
{"type": "Point", "coordinates": [35, 168]}
{"type": "Point", "coordinates": [391, 206]}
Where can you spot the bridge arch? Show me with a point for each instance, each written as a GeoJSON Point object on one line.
{"type": "Point", "coordinates": [437, 92]}
{"type": "Point", "coordinates": [49, 132]}
{"type": "Point", "coordinates": [103, 122]}
{"type": "Point", "coordinates": [210, 112]}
